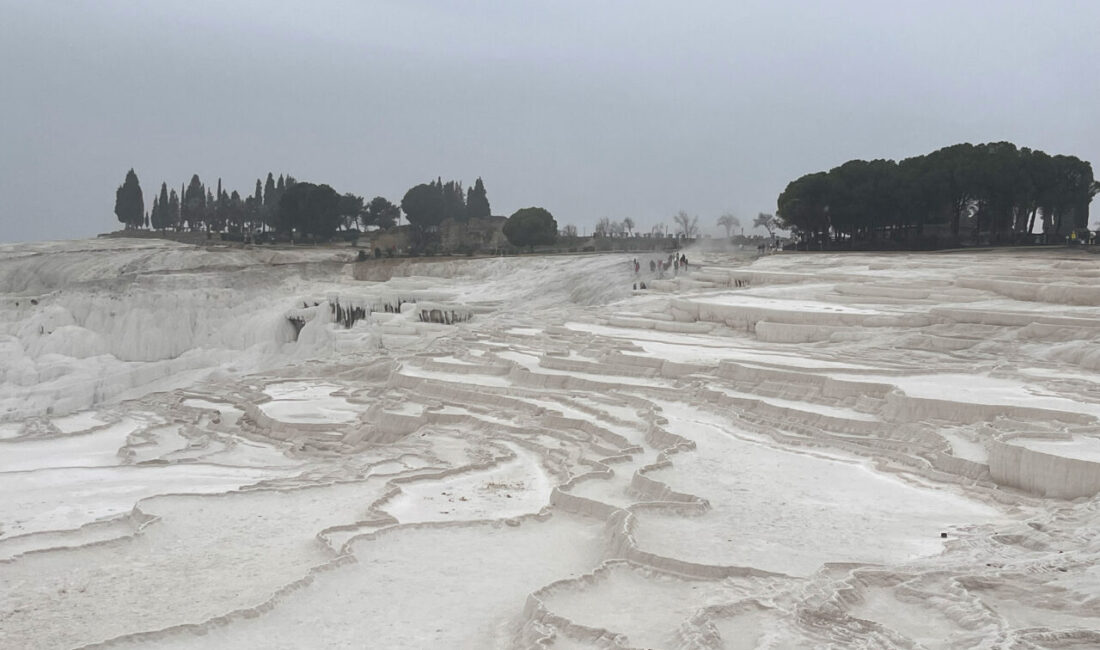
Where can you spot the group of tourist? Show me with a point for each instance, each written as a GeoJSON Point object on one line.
{"type": "Point", "coordinates": [660, 267]}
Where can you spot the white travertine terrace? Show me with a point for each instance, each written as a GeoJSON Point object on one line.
{"type": "Point", "coordinates": [811, 450]}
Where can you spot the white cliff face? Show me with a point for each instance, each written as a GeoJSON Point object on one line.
{"type": "Point", "coordinates": [86, 322]}
{"type": "Point", "coordinates": [798, 451]}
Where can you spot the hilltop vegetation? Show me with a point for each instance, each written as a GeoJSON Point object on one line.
{"type": "Point", "coordinates": [991, 193]}
{"type": "Point", "coordinates": [965, 194]}
{"type": "Point", "coordinates": [286, 209]}
{"type": "Point", "coordinates": [442, 218]}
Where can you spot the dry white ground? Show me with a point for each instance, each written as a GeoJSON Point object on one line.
{"type": "Point", "coordinates": [816, 450]}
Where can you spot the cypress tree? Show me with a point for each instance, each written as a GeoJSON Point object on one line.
{"type": "Point", "coordinates": [454, 202]}
{"type": "Point", "coordinates": [193, 208]}
{"type": "Point", "coordinates": [250, 212]}
{"type": "Point", "coordinates": [129, 203]}
{"type": "Point", "coordinates": [154, 218]}
{"type": "Point", "coordinates": [164, 213]}
{"type": "Point", "coordinates": [173, 218]}
{"type": "Point", "coordinates": [220, 204]}
{"type": "Point", "coordinates": [210, 211]}
{"type": "Point", "coordinates": [269, 190]}
{"type": "Point", "coordinates": [235, 215]}
{"type": "Point", "coordinates": [477, 203]}
{"type": "Point", "coordinates": [253, 205]}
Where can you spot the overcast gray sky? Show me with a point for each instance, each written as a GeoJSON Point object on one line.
{"type": "Point", "coordinates": [588, 108]}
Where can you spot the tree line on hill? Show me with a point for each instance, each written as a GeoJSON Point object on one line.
{"type": "Point", "coordinates": [288, 208]}
{"type": "Point", "coordinates": [428, 205]}
{"type": "Point", "coordinates": [286, 205]}
{"type": "Point", "coordinates": [987, 193]}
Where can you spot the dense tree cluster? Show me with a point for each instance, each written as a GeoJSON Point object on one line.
{"type": "Point", "coordinates": [429, 204]}
{"type": "Point", "coordinates": [530, 227]}
{"type": "Point", "coordinates": [197, 207]}
{"type": "Point", "coordinates": [991, 192]}
{"type": "Point", "coordinates": [380, 212]}
{"type": "Point", "coordinates": [278, 205]}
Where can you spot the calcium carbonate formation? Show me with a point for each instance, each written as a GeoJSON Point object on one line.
{"type": "Point", "coordinates": [256, 448]}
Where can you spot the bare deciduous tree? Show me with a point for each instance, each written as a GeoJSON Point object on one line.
{"type": "Point", "coordinates": [686, 225]}
{"type": "Point", "coordinates": [729, 222]}
{"type": "Point", "coordinates": [767, 222]}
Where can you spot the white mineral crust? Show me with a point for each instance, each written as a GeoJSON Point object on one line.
{"type": "Point", "coordinates": [803, 450]}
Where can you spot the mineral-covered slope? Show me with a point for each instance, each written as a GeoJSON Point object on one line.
{"type": "Point", "coordinates": [798, 451]}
